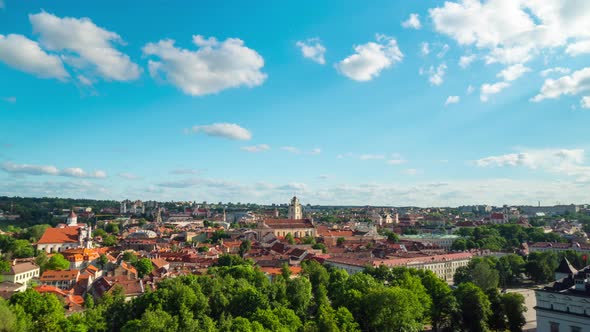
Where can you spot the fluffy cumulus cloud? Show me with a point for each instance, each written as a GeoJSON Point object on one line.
{"type": "Point", "coordinates": [513, 72]}
{"type": "Point", "coordinates": [435, 75]}
{"type": "Point", "coordinates": [585, 102]}
{"type": "Point", "coordinates": [555, 70]}
{"type": "Point", "coordinates": [21, 53]}
{"type": "Point", "coordinates": [577, 82]}
{"type": "Point", "coordinates": [492, 89]}
{"type": "Point", "coordinates": [466, 60]}
{"type": "Point", "coordinates": [424, 48]}
{"type": "Point", "coordinates": [514, 31]}
{"type": "Point", "coordinates": [225, 130]}
{"type": "Point", "coordinates": [85, 46]}
{"type": "Point", "coordinates": [413, 22]}
{"type": "Point", "coordinates": [370, 59]}
{"type": "Point", "coordinates": [28, 169]}
{"type": "Point", "coordinates": [256, 148]}
{"type": "Point", "coordinates": [312, 49]}
{"type": "Point", "coordinates": [568, 162]}
{"type": "Point", "coordinates": [452, 100]}
{"type": "Point", "coordinates": [578, 48]}
{"type": "Point", "coordinates": [215, 66]}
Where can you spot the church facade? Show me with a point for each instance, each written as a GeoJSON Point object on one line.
{"type": "Point", "coordinates": [295, 224]}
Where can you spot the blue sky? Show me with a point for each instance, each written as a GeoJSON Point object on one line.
{"type": "Point", "coordinates": [396, 102]}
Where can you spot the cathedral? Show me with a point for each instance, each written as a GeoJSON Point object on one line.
{"type": "Point", "coordinates": [66, 236]}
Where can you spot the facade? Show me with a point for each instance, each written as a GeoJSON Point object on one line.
{"type": "Point", "coordinates": [282, 227]}
{"type": "Point", "coordinates": [295, 209]}
{"type": "Point", "coordinates": [564, 305]}
{"type": "Point", "coordinates": [60, 279]}
{"type": "Point", "coordinates": [21, 273]}
{"type": "Point", "coordinates": [444, 266]}
{"type": "Point", "coordinates": [559, 247]}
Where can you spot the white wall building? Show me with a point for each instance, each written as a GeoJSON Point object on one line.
{"type": "Point", "coordinates": [564, 306]}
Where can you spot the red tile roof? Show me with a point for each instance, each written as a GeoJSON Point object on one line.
{"type": "Point", "coordinates": [52, 275]}
{"type": "Point", "coordinates": [67, 234]}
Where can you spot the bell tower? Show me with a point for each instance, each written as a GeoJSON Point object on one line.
{"type": "Point", "coordinates": [295, 211]}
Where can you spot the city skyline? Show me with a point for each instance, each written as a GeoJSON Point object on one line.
{"type": "Point", "coordinates": [416, 103]}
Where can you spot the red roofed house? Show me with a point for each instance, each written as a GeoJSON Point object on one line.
{"type": "Point", "coordinates": [66, 279]}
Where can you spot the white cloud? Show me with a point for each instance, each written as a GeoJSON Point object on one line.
{"type": "Point", "coordinates": [225, 130]}
{"type": "Point", "coordinates": [452, 100]}
{"type": "Point", "coordinates": [412, 22]}
{"type": "Point", "coordinates": [411, 171]}
{"type": "Point", "coordinates": [1, 4]}
{"type": "Point", "coordinates": [26, 55]}
{"type": "Point", "coordinates": [470, 89]}
{"type": "Point", "coordinates": [214, 67]}
{"type": "Point", "coordinates": [443, 51]}
{"type": "Point", "coordinates": [371, 156]}
{"type": "Point", "coordinates": [424, 48]}
{"type": "Point", "coordinates": [513, 31]}
{"type": "Point", "coordinates": [569, 162]}
{"type": "Point", "coordinates": [558, 70]}
{"type": "Point", "coordinates": [11, 100]}
{"type": "Point", "coordinates": [466, 60]}
{"type": "Point", "coordinates": [128, 176]}
{"type": "Point", "coordinates": [316, 151]}
{"type": "Point", "coordinates": [85, 46]}
{"type": "Point", "coordinates": [370, 59]}
{"type": "Point", "coordinates": [491, 89]}
{"type": "Point", "coordinates": [436, 76]}
{"type": "Point", "coordinates": [397, 161]}
{"type": "Point", "coordinates": [578, 48]}
{"type": "Point", "coordinates": [585, 102]}
{"type": "Point", "coordinates": [256, 148]}
{"type": "Point", "coordinates": [577, 82]}
{"type": "Point", "coordinates": [313, 49]}
{"type": "Point", "coordinates": [513, 72]}
{"type": "Point", "coordinates": [291, 149]}
{"type": "Point", "coordinates": [50, 170]}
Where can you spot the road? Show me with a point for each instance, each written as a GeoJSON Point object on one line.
{"type": "Point", "coordinates": [530, 302]}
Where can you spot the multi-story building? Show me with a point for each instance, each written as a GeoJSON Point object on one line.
{"type": "Point", "coordinates": [21, 273]}
{"type": "Point", "coordinates": [559, 247]}
{"type": "Point", "coordinates": [61, 279]}
{"type": "Point", "coordinates": [444, 266]}
{"type": "Point", "coordinates": [564, 305]}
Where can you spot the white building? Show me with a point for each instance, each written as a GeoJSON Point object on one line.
{"type": "Point", "coordinates": [441, 240]}
{"type": "Point", "coordinates": [21, 273]}
{"type": "Point", "coordinates": [564, 305]}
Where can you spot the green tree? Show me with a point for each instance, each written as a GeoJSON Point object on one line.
{"type": "Point", "coordinates": [102, 261]}
{"type": "Point", "coordinates": [8, 320]}
{"type": "Point", "coordinates": [540, 266]}
{"type": "Point", "coordinates": [510, 268]}
{"type": "Point", "coordinates": [474, 307]}
{"type": "Point", "coordinates": [289, 238]}
{"type": "Point", "coordinates": [109, 240]}
{"type": "Point", "coordinates": [497, 318]}
{"type": "Point", "coordinates": [393, 309]}
{"type": "Point", "coordinates": [153, 321]}
{"type": "Point", "coordinates": [514, 307]}
{"type": "Point", "coordinates": [245, 247]}
{"type": "Point", "coordinates": [484, 276]}
{"type": "Point", "coordinates": [299, 295]}
{"type": "Point", "coordinates": [130, 257]}
{"type": "Point", "coordinates": [144, 266]}
{"type": "Point", "coordinates": [57, 262]}
{"type": "Point", "coordinates": [340, 241]}
{"type": "Point", "coordinates": [22, 249]}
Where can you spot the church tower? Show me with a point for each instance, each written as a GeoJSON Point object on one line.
{"type": "Point", "coordinates": [72, 219]}
{"type": "Point", "coordinates": [295, 211]}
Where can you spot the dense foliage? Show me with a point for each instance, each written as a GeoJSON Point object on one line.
{"type": "Point", "coordinates": [237, 296]}
{"type": "Point", "coordinates": [501, 237]}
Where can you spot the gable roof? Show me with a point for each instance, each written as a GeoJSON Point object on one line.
{"type": "Point", "coordinates": [67, 234]}
{"type": "Point", "coordinates": [21, 268]}
{"type": "Point", "coordinates": [566, 267]}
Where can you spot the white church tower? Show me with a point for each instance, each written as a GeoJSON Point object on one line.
{"type": "Point", "coordinates": [72, 219]}
{"type": "Point", "coordinates": [295, 211]}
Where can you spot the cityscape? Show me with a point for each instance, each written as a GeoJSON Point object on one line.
{"type": "Point", "coordinates": [339, 166]}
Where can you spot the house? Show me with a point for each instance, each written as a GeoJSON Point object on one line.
{"type": "Point", "coordinates": [21, 273]}
{"type": "Point", "coordinates": [564, 305]}
{"type": "Point", "coordinates": [125, 269]}
{"type": "Point", "coordinates": [131, 288]}
{"type": "Point", "coordinates": [65, 279]}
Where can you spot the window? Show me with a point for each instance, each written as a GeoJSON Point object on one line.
{"type": "Point", "coordinates": [554, 327]}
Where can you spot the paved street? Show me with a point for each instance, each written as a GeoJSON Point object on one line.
{"type": "Point", "coordinates": [530, 302]}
